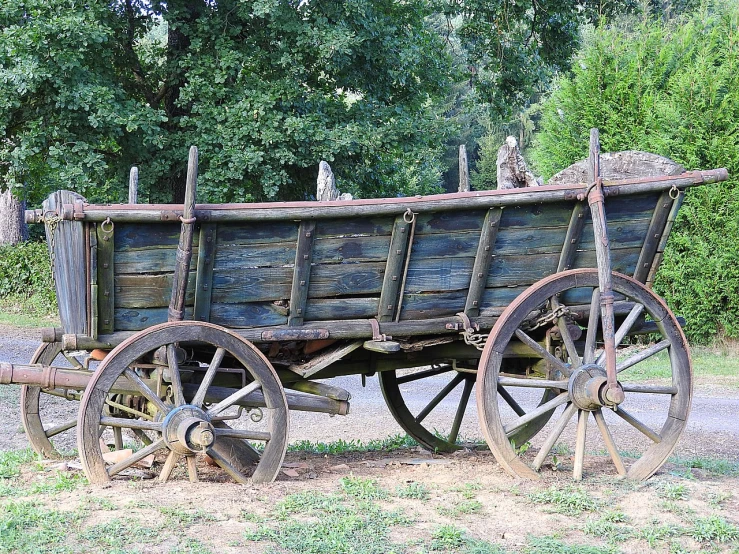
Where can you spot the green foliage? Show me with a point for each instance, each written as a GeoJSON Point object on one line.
{"type": "Point", "coordinates": [671, 88]}
{"type": "Point", "coordinates": [567, 499]}
{"type": "Point", "coordinates": [363, 489]}
{"type": "Point", "coordinates": [714, 529]}
{"type": "Point", "coordinates": [25, 273]}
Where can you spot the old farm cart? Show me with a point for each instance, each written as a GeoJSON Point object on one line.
{"type": "Point", "coordinates": [212, 321]}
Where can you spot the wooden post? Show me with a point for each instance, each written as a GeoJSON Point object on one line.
{"type": "Point", "coordinates": [176, 310]}
{"type": "Point", "coordinates": [464, 170]}
{"type": "Point", "coordinates": [326, 186]}
{"type": "Point", "coordinates": [133, 186]}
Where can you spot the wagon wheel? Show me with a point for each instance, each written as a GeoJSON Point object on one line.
{"type": "Point", "coordinates": [442, 438]}
{"type": "Point", "coordinates": [38, 405]}
{"type": "Point", "coordinates": [580, 383]}
{"type": "Point", "coordinates": [191, 418]}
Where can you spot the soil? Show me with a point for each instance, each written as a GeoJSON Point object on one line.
{"type": "Point", "coordinates": [507, 517]}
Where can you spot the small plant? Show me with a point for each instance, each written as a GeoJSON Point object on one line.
{"type": "Point", "coordinates": [714, 529]}
{"type": "Point", "coordinates": [186, 517]}
{"type": "Point", "coordinates": [567, 499]}
{"type": "Point", "coordinates": [552, 545]}
{"type": "Point", "coordinates": [608, 528]}
{"type": "Point", "coordinates": [418, 491]}
{"type": "Point", "coordinates": [655, 532]}
{"type": "Point", "coordinates": [672, 491]}
{"type": "Point", "coordinates": [447, 537]}
{"type": "Point", "coordinates": [460, 508]}
{"type": "Point", "coordinates": [364, 489]}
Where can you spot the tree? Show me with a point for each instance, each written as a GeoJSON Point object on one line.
{"type": "Point", "coordinates": [672, 88]}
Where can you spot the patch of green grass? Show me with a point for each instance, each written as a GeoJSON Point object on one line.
{"type": "Point", "coordinates": [468, 490]}
{"type": "Point", "coordinates": [417, 491]}
{"type": "Point", "coordinates": [179, 516]}
{"type": "Point", "coordinates": [568, 499]}
{"type": "Point", "coordinates": [656, 532]}
{"type": "Point", "coordinates": [552, 545]}
{"type": "Point", "coordinates": [121, 536]}
{"type": "Point", "coordinates": [12, 460]}
{"type": "Point", "coordinates": [190, 546]}
{"type": "Point", "coordinates": [447, 537]}
{"type": "Point", "coordinates": [717, 466]}
{"type": "Point", "coordinates": [459, 509]}
{"type": "Point", "coordinates": [364, 489]}
{"type": "Point", "coordinates": [715, 499]}
{"type": "Point", "coordinates": [245, 515]}
{"type": "Point", "coordinates": [609, 527]}
{"type": "Point", "coordinates": [95, 503]}
{"type": "Point", "coordinates": [341, 446]}
{"type": "Point", "coordinates": [59, 481]}
{"type": "Point", "coordinates": [672, 491]}
{"type": "Point", "coordinates": [714, 529]}
{"type": "Point", "coordinates": [706, 363]}
{"type": "Point", "coordinates": [308, 503]}
{"type": "Point", "coordinates": [27, 527]}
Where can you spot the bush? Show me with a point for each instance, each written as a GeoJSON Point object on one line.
{"type": "Point", "coordinates": [672, 89]}
{"type": "Point", "coordinates": [25, 277]}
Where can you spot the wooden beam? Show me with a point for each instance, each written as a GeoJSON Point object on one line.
{"type": "Point", "coordinates": [394, 270]}
{"type": "Point", "coordinates": [204, 272]}
{"type": "Point", "coordinates": [106, 277]}
{"type": "Point", "coordinates": [483, 258]}
{"type": "Point", "coordinates": [324, 359]}
{"type": "Point", "coordinates": [654, 237]}
{"type": "Point", "coordinates": [301, 273]}
{"type": "Point", "coordinates": [92, 233]}
{"type": "Point", "coordinates": [572, 239]}
{"type": "Point", "coordinates": [663, 241]}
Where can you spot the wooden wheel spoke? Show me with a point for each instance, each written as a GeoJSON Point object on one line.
{"type": "Point", "coordinates": [593, 324]}
{"type": "Point", "coordinates": [233, 398]}
{"type": "Point", "coordinates": [559, 427]}
{"type": "Point", "coordinates": [625, 327]}
{"type": "Point", "coordinates": [174, 375]}
{"type": "Point", "coordinates": [608, 440]}
{"type": "Point", "coordinates": [215, 363]}
{"type": "Point", "coordinates": [125, 423]}
{"type": "Point", "coordinates": [536, 347]}
{"type": "Point", "coordinates": [505, 395]}
{"type": "Point", "coordinates": [439, 397]}
{"type": "Point", "coordinates": [424, 374]}
{"type": "Point", "coordinates": [137, 456]}
{"type": "Point", "coordinates": [582, 427]}
{"type": "Point", "coordinates": [569, 343]}
{"type": "Point", "coordinates": [192, 469]}
{"type": "Point", "coordinates": [227, 466]}
{"type": "Point", "coordinates": [245, 434]}
{"type": "Point", "coordinates": [532, 383]}
{"type": "Point", "coordinates": [143, 437]}
{"type": "Point", "coordinates": [127, 409]}
{"type": "Point", "coordinates": [118, 438]}
{"type": "Point", "coordinates": [643, 355]}
{"type": "Point", "coordinates": [169, 464]}
{"type": "Point", "coordinates": [144, 389]}
{"type": "Point", "coordinates": [463, 401]}
{"type": "Point", "coordinates": [539, 411]}
{"type": "Point", "coordinates": [66, 426]}
{"type": "Point", "coordinates": [634, 422]}
{"type": "Point", "coordinates": [649, 389]}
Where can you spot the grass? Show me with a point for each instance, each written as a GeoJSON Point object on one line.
{"type": "Point", "coordinates": [714, 529]}
{"type": "Point", "coordinates": [363, 489]}
{"type": "Point", "coordinates": [341, 446]}
{"type": "Point", "coordinates": [459, 509]}
{"type": "Point", "coordinates": [672, 491]}
{"type": "Point", "coordinates": [417, 491]}
{"type": "Point", "coordinates": [707, 363]}
{"type": "Point", "coordinates": [119, 534]}
{"type": "Point", "coordinates": [566, 499]}
{"type": "Point", "coordinates": [553, 545]}
{"type": "Point", "coordinates": [718, 466]}
{"type": "Point", "coordinates": [27, 526]}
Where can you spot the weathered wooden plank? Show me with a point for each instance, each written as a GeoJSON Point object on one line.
{"type": "Point", "coordinates": [106, 271]}
{"type": "Point", "coordinates": [149, 260]}
{"type": "Point", "coordinates": [446, 222]}
{"type": "Point", "coordinates": [356, 226]}
{"type": "Point", "coordinates": [252, 314]}
{"type": "Point", "coordinates": [252, 285]}
{"type": "Point", "coordinates": [663, 241]}
{"type": "Point", "coordinates": [240, 256]}
{"type": "Point", "coordinates": [69, 262]}
{"type": "Point", "coordinates": [555, 214]}
{"type": "Point", "coordinates": [135, 236]}
{"type": "Point", "coordinates": [346, 279]}
{"type": "Point", "coordinates": [257, 232]}
{"type": "Point", "coordinates": [483, 257]}
{"type": "Point", "coordinates": [319, 309]}
{"type": "Point", "coordinates": [135, 319]}
{"type": "Point", "coordinates": [572, 237]}
{"type": "Point", "coordinates": [393, 278]}
{"type": "Point", "coordinates": [350, 249]}
{"type": "Point", "coordinates": [433, 304]}
{"type": "Point", "coordinates": [92, 232]}
{"type": "Point", "coordinates": [453, 244]}
{"type": "Point", "coordinates": [654, 237]}
{"type": "Point", "coordinates": [439, 274]}
{"type": "Point", "coordinates": [206, 256]}
{"type": "Point", "coordinates": [301, 273]}
{"type": "Point", "coordinates": [148, 291]}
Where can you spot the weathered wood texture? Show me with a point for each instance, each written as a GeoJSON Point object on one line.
{"type": "Point", "coordinates": [66, 240]}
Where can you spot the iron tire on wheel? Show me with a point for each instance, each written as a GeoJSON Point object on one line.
{"type": "Point", "coordinates": [495, 427]}
{"type": "Point", "coordinates": [224, 445]}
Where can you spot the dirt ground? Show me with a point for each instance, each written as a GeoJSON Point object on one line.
{"type": "Point", "coordinates": [660, 515]}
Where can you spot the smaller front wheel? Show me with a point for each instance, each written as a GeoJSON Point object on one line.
{"type": "Point", "coordinates": [182, 408]}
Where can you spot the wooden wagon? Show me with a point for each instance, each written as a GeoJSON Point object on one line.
{"type": "Point", "coordinates": [212, 321]}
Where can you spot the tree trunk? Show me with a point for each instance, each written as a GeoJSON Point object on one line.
{"type": "Point", "coordinates": [12, 222]}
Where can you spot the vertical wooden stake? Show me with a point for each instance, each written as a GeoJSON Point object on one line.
{"type": "Point", "coordinates": [133, 186]}
{"type": "Point", "coordinates": [464, 170]}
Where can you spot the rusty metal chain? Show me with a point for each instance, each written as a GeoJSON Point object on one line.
{"type": "Point", "coordinates": [474, 339]}
{"type": "Point", "coordinates": [52, 221]}
{"type": "Point", "coordinates": [546, 319]}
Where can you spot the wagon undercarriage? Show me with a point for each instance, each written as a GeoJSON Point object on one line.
{"type": "Point", "coordinates": [520, 297]}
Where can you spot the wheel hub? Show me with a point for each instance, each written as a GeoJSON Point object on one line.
{"type": "Point", "coordinates": [588, 387]}
{"type": "Point", "coordinates": [187, 429]}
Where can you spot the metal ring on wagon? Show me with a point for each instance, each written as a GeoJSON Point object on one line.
{"type": "Point", "coordinates": [676, 192]}
{"type": "Point", "coordinates": [109, 222]}
{"type": "Point", "coordinates": [409, 216]}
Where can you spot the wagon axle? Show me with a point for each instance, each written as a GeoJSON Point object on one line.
{"type": "Point", "coordinates": [588, 388]}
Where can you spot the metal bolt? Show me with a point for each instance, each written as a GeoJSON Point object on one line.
{"type": "Point", "coordinates": [474, 302]}
{"type": "Point", "coordinates": [308, 234]}
{"type": "Point", "coordinates": [106, 321]}
{"type": "Point", "coordinates": [397, 252]}
{"type": "Point", "coordinates": [395, 277]}
{"type": "Point", "coordinates": [106, 293]}
{"type": "Point", "coordinates": [105, 266]}
{"type": "Point", "coordinates": [302, 283]}
{"type": "Point", "coordinates": [479, 275]}
{"type": "Point", "coordinates": [305, 256]}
